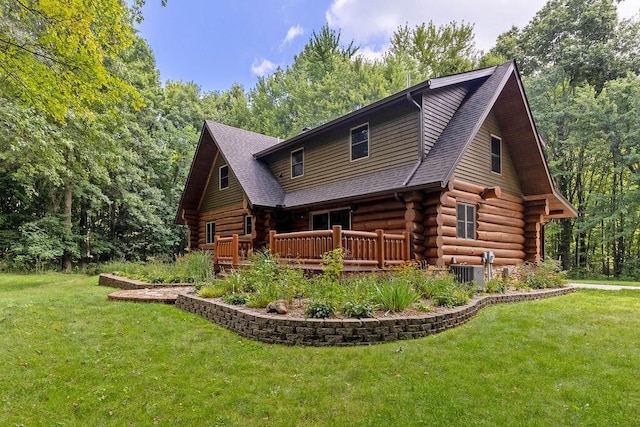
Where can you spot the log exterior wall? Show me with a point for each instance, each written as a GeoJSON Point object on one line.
{"type": "Point", "coordinates": [213, 197]}
{"type": "Point", "coordinates": [393, 140]}
{"type": "Point", "coordinates": [229, 220]}
{"type": "Point", "coordinates": [500, 226]}
{"type": "Point", "coordinates": [475, 165]}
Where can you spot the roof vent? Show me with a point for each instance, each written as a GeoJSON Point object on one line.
{"type": "Point", "coordinates": [306, 129]}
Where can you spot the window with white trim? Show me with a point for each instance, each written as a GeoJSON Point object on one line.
{"type": "Point", "coordinates": [297, 163]}
{"type": "Point", "coordinates": [496, 154]}
{"type": "Point", "coordinates": [223, 175]}
{"type": "Point", "coordinates": [466, 215]}
{"type": "Point", "coordinates": [327, 219]}
{"type": "Point", "coordinates": [210, 228]}
{"type": "Point", "coordinates": [248, 225]}
{"type": "Point", "coordinates": [360, 142]}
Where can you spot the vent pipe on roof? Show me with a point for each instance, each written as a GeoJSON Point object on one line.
{"type": "Point", "coordinates": [306, 129]}
{"type": "Point", "coordinates": [420, 140]}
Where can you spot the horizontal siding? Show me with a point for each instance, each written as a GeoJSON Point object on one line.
{"type": "Point", "coordinates": [439, 107]}
{"type": "Point", "coordinates": [475, 166]}
{"type": "Point", "coordinates": [393, 139]}
{"type": "Point", "coordinates": [215, 198]}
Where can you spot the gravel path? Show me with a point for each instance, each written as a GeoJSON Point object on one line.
{"type": "Point", "coordinates": [605, 287]}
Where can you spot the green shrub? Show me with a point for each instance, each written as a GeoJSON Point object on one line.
{"type": "Point", "coordinates": [358, 310]}
{"type": "Point", "coordinates": [235, 299]}
{"type": "Point", "coordinates": [333, 264]}
{"type": "Point", "coordinates": [211, 291]}
{"type": "Point", "coordinates": [319, 310]}
{"type": "Point", "coordinates": [435, 284]}
{"type": "Point", "coordinates": [454, 295]}
{"type": "Point", "coordinates": [395, 294]}
{"type": "Point", "coordinates": [497, 285]}
{"type": "Point", "coordinates": [541, 275]}
{"type": "Point", "coordinates": [422, 306]}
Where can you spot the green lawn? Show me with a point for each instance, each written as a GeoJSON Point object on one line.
{"type": "Point", "coordinates": [70, 357]}
{"type": "Point", "coordinates": [606, 282]}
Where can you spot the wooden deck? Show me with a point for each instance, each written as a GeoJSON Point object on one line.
{"type": "Point", "coordinates": [365, 251]}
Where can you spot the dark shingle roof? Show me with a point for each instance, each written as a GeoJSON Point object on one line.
{"type": "Point", "coordinates": [465, 123]}
{"type": "Point", "coordinates": [237, 146]}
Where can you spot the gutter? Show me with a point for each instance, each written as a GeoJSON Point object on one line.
{"type": "Point", "coordinates": [420, 141]}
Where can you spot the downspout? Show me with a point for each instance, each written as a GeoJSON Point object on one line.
{"type": "Point", "coordinates": [420, 141]}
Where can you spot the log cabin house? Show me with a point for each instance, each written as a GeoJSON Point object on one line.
{"type": "Point", "coordinates": [441, 172]}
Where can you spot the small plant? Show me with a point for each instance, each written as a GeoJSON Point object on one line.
{"type": "Point", "coordinates": [497, 285]}
{"type": "Point", "coordinates": [333, 264]}
{"type": "Point", "coordinates": [235, 299]}
{"type": "Point", "coordinates": [454, 295]}
{"type": "Point", "coordinates": [422, 306]}
{"type": "Point", "coordinates": [358, 310]}
{"type": "Point", "coordinates": [395, 295]}
{"type": "Point", "coordinates": [544, 274]}
{"type": "Point", "coordinates": [211, 291]}
{"type": "Point", "coordinates": [319, 310]}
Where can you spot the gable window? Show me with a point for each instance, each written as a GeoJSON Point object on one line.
{"type": "Point", "coordinates": [496, 154]}
{"type": "Point", "coordinates": [223, 174]}
{"type": "Point", "coordinates": [360, 142]}
{"type": "Point", "coordinates": [466, 221]}
{"type": "Point", "coordinates": [327, 219]}
{"type": "Point", "coordinates": [248, 225]}
{"type": "Point", "coordinates": [297, 163]}
{"type": "Point", "coordinates": [211, 231]}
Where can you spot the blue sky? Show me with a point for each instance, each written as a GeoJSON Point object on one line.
{"type": "Point", "coordinates": [216, 43]}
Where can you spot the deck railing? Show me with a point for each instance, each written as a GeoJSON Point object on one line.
{"type": "Point", "coordinates": [231, 250]}
{"type": "Point", "coordinates": [362, 248]}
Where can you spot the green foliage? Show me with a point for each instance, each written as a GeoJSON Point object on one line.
{"type": "Point", "coordinates": [395, 294]}
{"type": "Point", "coordinates": [452, 294]}
{"type": "Point", "coordinates": [212, 291]}
{"type": "Point", "coordinates": [542, 275]}
{"type": "Point", "coordinates": [333, 264]}
{"type": "Point", "coordinates": [357, 310]}
{"type": "Point", "coordinates": [236, 299]}
{"type": "Point", "coordinates": [195, 267]}
{"type": "Point", "coordinates": [497, 285]}
{"type": "Point", "coordinates": [320, 310]}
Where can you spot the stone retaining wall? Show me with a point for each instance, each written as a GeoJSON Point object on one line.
{"type": "Point", "coordinates": [124, 283]}
{"type": "Point", "coordinates": [343, 332]}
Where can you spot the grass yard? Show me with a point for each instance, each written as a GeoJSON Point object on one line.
{"type": "Point", "coordinates": [70, 357]}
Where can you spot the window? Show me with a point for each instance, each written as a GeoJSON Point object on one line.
{"type": "Point", "coordinates": [211, 231]}
{"type": "Point", "coordinates": [326, 220]}
{"type": "Point", "coordinates": [297, 163]}
{"type": "Point", "coordinates": [224, 177]}
{"type": "Point", "coordinates": [496, 154]}
{"type": "Point", "coordinates": [248, 224]}
{"type": "Point", "coordinates": [360, 142]}
{"type": "Point", "coordinates": [466, 221]}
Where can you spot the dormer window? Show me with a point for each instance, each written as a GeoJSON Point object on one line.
{"type": "Point", "coordinates": [223, 175]}
{"type": "Point", "coordinates": [360, 142]}
{"type": "Point", "coordinates": [297, 163]}
{"type": "Point", "coordinates": [496, 154]}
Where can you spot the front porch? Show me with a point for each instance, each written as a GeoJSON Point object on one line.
{"type": "Point", "coordinates": [364, 251]}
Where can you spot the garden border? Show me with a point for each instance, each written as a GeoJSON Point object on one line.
{"type": "Point", "coordinates": [115, 281]}
{"type": "Point", "coordinates": [346, 332]}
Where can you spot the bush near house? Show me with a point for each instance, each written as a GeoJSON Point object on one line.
{"type": "Point", "coordinates": [332, 294]}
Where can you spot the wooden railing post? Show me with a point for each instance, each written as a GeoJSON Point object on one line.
{"type": "Point", "coordinates": [216, 251]}
{"type": "Point", "coordinates": [337, 236]}
{"type": "Point", "coordinates": [406, 246]}
{"type": "Point", "coordinates": [380, 247]}
{"type": "Point", "coordinates": [235, 250]}
{"type": "Point", "coordinates": [272, 242]}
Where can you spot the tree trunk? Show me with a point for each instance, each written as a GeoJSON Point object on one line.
{"type": "Point", "coordinates": [68, 199]}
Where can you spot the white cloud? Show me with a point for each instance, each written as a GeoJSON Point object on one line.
{"type": "Point", "coordinates": [292, 34]}
{"type": "Point", "coordinates": [260, 68]}
{"type": "Point", "coordinates": [371, 54]}
{"type": "Point", "coordinates": [372, 22]}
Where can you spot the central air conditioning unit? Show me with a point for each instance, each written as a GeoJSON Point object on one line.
{"type": "Point", "coordinates": [469, 273]}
